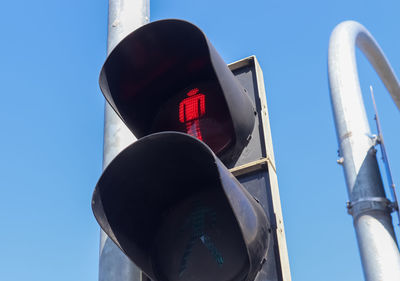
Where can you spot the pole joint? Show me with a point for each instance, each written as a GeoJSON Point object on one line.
{"type": "Point", "coordinates": [261, 164]}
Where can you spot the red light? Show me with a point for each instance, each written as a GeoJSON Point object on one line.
{"type": "Point", "coordinates": [191, 109]}
{"type": "Point", "coordinates": [198, 110]}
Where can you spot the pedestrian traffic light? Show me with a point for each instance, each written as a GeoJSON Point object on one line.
{"type": "Point", "coordinates": [166, 76]}
{"type": "Point", "coordinates": [168, 201]}
{"type": "Point", "coordinates": [175, 210]}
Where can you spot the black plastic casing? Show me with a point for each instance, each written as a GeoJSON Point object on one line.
{"type": "Point", "coordinates": [151, 176]}
{"type": "Point", "coordinates": [156, 61]}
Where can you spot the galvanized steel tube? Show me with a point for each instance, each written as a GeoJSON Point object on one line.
{"type": "Point", "coordinates": [368, 204]}
{"type": "Point", "coordinates": [124, 16]}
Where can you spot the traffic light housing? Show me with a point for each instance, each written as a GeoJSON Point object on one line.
{"type": "Point", "coordinates": [192, 220]}
{"type": "Point", "coordinates": [166, 76]}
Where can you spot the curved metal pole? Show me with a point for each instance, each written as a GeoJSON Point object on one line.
{"type": "Point", "coordinates": [368, 203]}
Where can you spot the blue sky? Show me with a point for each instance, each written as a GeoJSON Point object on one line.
{"type": "Point", "coordinates": [51, 53]}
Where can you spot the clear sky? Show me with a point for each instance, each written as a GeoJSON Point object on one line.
{"type": "Point", "coordinates": [51, 141]}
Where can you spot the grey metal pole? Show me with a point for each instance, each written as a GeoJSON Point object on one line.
{"type": "Point", "coordinates": [124, 16]}
{"type": "Point", "coordinates": [368, 203]}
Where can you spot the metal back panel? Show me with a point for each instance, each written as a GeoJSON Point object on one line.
{"type": "Point", "coordinates": [255, 169]}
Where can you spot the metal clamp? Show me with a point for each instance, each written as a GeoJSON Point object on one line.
{"type": "Point", "coordinates": [364, 205]}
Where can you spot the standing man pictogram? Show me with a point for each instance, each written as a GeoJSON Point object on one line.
{"type": "Point", "coordinates": [191, 109]}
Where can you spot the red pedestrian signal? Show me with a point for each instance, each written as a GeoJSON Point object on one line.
{"type": "Point", "coordinates": [191, 109]}
{"type": "Point", "coordinates": [168, 200]}
{"type": "Point", "coordinates": [151, 77]}
{"type": "Point", "coordinates": [200, 112]}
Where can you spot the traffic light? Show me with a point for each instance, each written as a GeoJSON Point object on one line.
{"type": "Point", "coordinates": [166, 76]}
{"type": "Point", "coordinates": [175, 210]}
{"type": "Point", "coordinates": [168, 201]}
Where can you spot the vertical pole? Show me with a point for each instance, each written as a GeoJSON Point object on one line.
{"type": "Point", "coordinates": [368, 205]}
{"type": "Point", "coordinates": [124, 16]}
